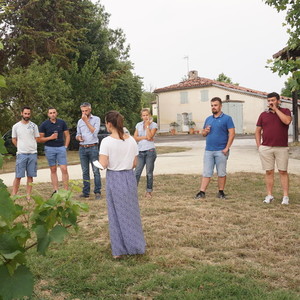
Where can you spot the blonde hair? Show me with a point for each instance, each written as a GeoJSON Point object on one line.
{"type": "Point", "coordinates": [147, 110]}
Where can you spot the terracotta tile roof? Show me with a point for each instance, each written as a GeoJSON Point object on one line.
{"type": "Point", "coordinates": [200, 82]}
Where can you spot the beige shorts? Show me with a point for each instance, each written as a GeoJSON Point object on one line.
{"type": "Point", "coordinates": [270, 155]}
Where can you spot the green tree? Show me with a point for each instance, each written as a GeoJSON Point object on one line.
{"type": "Point", "coordinates": [39, 86]}
{"type": "Point", "coordinates": [147, 99]}
{"type": "Point", "coordinates": [2, 79]}
{"type": "Point", "coordinates": [88, 84]}
{"type": "Point", "coordinates": [107, 44]}
{"type": "Point", "coordinates": [290, 65]}
{"type": "Point", "coordinates": [40, 30]}
{"type": "Point", "coordinates": [61, 53]}
{"type": "Point", "coordinates": [287, 90]}
{"type": "Point", "coordinates": [223, 78]}
{"type": "Point", "coordinates": [126, 93]}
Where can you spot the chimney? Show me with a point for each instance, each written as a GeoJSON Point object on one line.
{"type": "Point", "coordinates": [192, 75]}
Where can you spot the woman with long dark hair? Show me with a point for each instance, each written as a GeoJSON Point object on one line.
{"type": "Point", "coordinates": [118, 153]}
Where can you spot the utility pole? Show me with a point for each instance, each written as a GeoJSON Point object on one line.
{"type": "Point", "coordinates": [187, 63]}
{"type": "Point", "coordinates": [295, 119]}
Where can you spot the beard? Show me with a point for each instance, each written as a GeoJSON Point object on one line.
{"type": "Point", "coordinates": [26, 118]}
{"type": "Point", "coordinates": [214, 112]}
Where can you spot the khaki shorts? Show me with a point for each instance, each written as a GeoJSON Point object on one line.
{"type": "Point", "coordinates": [270, 155]}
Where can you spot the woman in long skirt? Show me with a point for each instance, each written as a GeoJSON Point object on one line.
{"type": "Point", "coordinates": [118, 153]}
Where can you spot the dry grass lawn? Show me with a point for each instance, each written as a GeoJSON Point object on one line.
{"type": "Point", "coordinates": [240, 233]}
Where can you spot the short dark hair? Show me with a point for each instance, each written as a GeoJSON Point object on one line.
{"type": "Point", "coordinates": [25, 107]}
{"type": "Point", "coordinates": [51, 108]}
{"type": "Point", "coordinates": [273, 94]}
{"type": "Point", "coordinates": [214, 99]}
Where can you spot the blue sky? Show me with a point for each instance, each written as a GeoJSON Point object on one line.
{"type": "Point", "coordinates": [230, 36]}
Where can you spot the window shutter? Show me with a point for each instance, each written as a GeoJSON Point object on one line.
{"type": "Point", "coordinates": [204, 95]}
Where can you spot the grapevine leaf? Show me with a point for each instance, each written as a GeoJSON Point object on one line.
{"type": "Point", "coordinates": [2, 147]}
{"type": "Point", "coordinates": [20, 284]}
{"type": "Point", "coordinates": [38, 199]}
{"type": "Point", "coordinates": [7, 207]}
{"type": "Point", "coordinates": [8, 244]}
{"type": "Point", "coordinates": [43, 239]}
{"type": "Point", "coordinates": [11, 255]}
{"type": "Point", "coordinates": [58, 233]}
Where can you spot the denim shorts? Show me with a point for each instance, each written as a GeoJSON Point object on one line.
{"type": "Point", "coordinates": [212, 159]}
{"type": "Point", "coordinates": [56, 155]}
{"type": "Point", "coordinates": [28, 163]}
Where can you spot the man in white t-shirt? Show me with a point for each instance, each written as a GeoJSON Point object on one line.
{"type": "Point", "coordinates": [25, 135]}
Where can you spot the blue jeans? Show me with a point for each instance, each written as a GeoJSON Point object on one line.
{"type": "Point", "coordinates": [212, 159]}
{"type": "Point", "coordinates": [147, 158]}
{"type": "Point", "coordinates": [87, 156]}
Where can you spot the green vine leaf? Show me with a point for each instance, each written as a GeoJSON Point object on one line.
{"type": "Point", "coordinates": [43, 239]}
{"type": "Point", "coordinates": [18, 285]}
{"type": "Point", "coordinates": [7, 208]}
{"type": "Point", "coordinates": [58, 233]}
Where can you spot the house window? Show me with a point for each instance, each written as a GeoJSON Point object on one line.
{"type": "Point", "coordinates": [204, 95]}
{"type": "Point", "coordinates": [183, 97]}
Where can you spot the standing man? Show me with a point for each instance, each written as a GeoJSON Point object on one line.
{"type": "Point", "coordinates": [219, 132]}
{"type": "Point", "coordinates": [55, 134]}
{"type": "Point", "coordinates": [87, 134]}
{"type": "Point", "coordinates": [271, 137]}
{"type": "Point", "coordinates": [25, 135]}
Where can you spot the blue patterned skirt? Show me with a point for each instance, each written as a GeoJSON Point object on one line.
{"type": "Point", "coordinates": [125, 226]}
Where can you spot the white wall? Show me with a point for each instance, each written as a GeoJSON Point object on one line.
{"type": "Point", "coordinates": [169, 106]}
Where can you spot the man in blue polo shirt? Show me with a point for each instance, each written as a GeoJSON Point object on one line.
{"type": "Point", "coordinates": [55, 134]}
{"type": "Point", "coordinates": [219, 132]}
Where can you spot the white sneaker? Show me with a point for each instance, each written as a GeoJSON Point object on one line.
{"type": "Point", "coordinates": [268, 199]}
{"type": "Point", "coordinates": [285, 200]}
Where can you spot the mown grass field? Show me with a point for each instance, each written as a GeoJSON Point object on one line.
{"type": "Point", "coordinates": [237, 248]}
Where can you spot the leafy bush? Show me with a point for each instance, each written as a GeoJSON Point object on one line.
{"type": "Point", "coordinates": [22, 229]}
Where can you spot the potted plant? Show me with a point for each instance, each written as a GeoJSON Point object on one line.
{"type": "Point", "coordinates": [191, 125]}
{"type": "Point", "coordinates": [173, 126]}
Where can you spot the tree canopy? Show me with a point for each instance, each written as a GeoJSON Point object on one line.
{"type": "Point", "coordinates": [290, 65]}
{"type": "Point", "coordinates": [61, 53]}
{"type": "Point", "coordinates": [223, 78]}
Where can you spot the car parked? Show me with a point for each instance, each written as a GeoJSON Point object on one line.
{"type": "Point", "coordinates": [74, 144]}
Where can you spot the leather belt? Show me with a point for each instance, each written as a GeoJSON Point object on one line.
{"type": "Point", "coordinates": [88, 145]}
